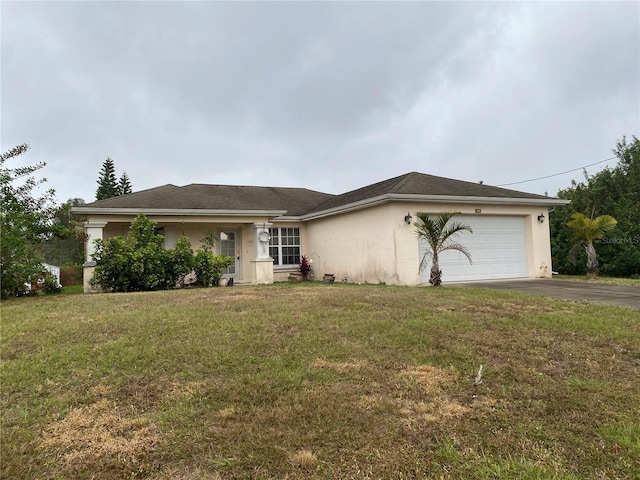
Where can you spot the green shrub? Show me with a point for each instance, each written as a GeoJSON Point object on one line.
{"type": "Point", "coordinates": [209, 267]}
{"type": "Point", "coordinates": [51, 284]}
{"type": "Point", "coordinates": [204, 268]}
{"type": "Point", "coordinates": [183, 260]}
{"type": "Point", "coordinates": [139, 262]}
{"type": "Point", "coordinates": [16, 273]}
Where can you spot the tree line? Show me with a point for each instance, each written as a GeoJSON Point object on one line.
{"type": "Point", "coordinates": [612, 192]}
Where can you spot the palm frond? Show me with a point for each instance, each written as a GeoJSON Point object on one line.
{"type": "Point", "coordinates": [588, 229]}
{"type": "Point", "coordinates": [452, 229]}
{"type": "Point", "coordinates": [438, 232]}
{"type": "Point", "coordinates": [424, 263]}
{"type": "Point", "coordinates": [458, 247]}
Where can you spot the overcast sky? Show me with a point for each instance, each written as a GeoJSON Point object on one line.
{"type": "Point", "coordinates": [327, 96]}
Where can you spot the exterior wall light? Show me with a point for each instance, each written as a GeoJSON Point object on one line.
{"type": "Point", "coordinates": [408, 218]}
{"type": "Point", "coordinates": [541, 217]}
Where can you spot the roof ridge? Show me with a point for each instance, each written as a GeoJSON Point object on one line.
{"type": "Point", "coordinates": [265, 187]}
{"type": "Point", "coordinates": [403, 179]}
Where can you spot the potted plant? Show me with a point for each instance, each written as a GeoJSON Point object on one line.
{"type": "Point", "coordinates": [305, 267]}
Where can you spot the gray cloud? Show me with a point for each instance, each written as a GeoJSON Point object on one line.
{"type": "Point", "coordinates": [330, 96]}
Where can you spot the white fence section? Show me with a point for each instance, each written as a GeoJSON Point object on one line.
{"type": "Point", "coordinates": [53, 270]}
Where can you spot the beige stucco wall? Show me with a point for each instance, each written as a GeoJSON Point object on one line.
{"type": "Point", "coordinates": [375, 244]}
{"type": "Point", "coordinates": [371, 245]}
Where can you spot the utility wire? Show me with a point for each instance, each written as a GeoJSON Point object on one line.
{"type": "Point", "coordinates": [556, 174]}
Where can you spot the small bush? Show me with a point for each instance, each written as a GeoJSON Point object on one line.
{"type": "Point", "coordinates": [16, 274]}
{"type": "Point", "coordinates": [305, 267]}
{"type": "Point", "coordinates": [51, 284]}
{"type": "Point", "coordinates": [183, 260]}
{"type": "Point", "coordinates": [209, 267]}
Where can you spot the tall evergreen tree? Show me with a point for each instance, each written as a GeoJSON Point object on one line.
{"type": "Point", "coordinates": [124, 185]}
{"type": "Point", "coordinates": [108, 184]}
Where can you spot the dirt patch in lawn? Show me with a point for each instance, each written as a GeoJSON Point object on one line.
{"type": "Point", "coordinates": [101, 437]}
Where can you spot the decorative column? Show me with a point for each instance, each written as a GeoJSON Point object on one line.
{"type": "Point", "coordinates": [262, 262]}
{"type": "Point", "coordinates": [93, 232]}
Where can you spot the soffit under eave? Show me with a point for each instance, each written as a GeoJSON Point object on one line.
{"type": "Point", "coordinates": [234, 218]}
{"type": "Point", "coordinates": [434, 199]}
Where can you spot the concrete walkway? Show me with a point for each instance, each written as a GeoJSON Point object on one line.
{"type": "Point", "coordinates": [625, 296]}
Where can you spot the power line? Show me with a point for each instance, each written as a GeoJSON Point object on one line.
{"type": "Point", "coordinates": [556, 174]}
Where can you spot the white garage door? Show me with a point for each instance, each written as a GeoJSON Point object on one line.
{"type": "Point", "coordinates": [498, 248]}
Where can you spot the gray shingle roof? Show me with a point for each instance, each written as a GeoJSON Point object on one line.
{"type": "Point", "coordinates": [415, 183]}
{"type": "Point", "coordinates": [297, 201]}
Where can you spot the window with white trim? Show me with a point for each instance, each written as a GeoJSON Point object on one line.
{"type": "Point", "coordinates": [284, 246]}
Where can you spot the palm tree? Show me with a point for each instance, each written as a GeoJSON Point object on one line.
{"type": "Point", "coordinates": [439, 235]}
{"type": "Point", "coordinates": [585, 231]}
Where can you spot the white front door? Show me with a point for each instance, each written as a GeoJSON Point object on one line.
{"type": "Point", "coordinates": [230, 246]}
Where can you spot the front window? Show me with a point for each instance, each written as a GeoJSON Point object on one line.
{"type": "Point", "coordinates": [284, 246]}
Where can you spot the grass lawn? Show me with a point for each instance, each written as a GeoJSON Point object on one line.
{"type": "Point", "coordinates": [630, 282]}
{"type": "Point", "coordinates": [318, 381]}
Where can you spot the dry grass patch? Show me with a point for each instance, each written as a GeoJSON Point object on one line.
{"type": "Point", "coordinates": [227, 413]}
{"type": "Point", "coordinates": [440, 410]}
{"type": "Point", "coordinates": [184, 390]}
{"type": "Point", "coordinates": [372, 401]}
{"type": "Point", "coordinates": [303, 459]}
{"type": "Point", "coordinates": [100, 390]}
{"type": "Point", "coordinates": [340, 367]}
{"type": "Point", "coordinates": [187, 473]}
{"type": "Point", "coordinates": [100, 437]}
{"type": "Point", "coordinates": [427, 395]}
{"type": "Point", "coordinates": [428, 379]}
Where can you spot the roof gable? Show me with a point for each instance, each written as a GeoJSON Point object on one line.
{"type": "Point", "coordinates": [415, 183]}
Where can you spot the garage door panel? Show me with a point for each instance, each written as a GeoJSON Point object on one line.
{"type": "Point", "coordinates": [498, 250]}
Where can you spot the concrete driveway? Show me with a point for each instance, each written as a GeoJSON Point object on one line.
{"type": "Point", "coordinates": [565, 290]}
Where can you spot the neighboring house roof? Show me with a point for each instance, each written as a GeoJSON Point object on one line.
{"type": "Point", "coordinates": [304, 203]}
